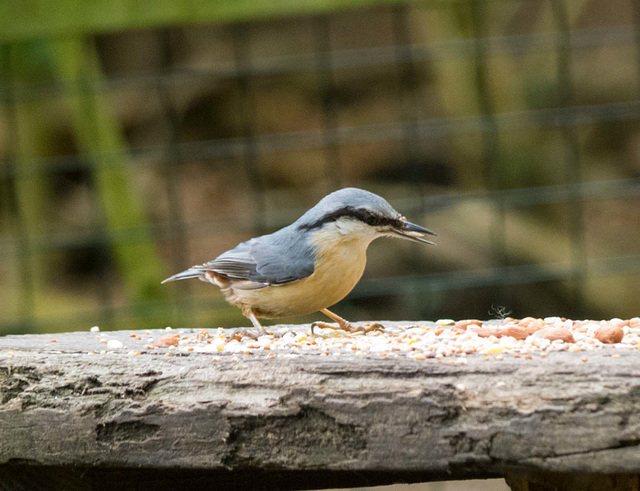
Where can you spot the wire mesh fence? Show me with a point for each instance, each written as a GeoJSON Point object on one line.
{"type": "Point", "coordinates": [509, 127]}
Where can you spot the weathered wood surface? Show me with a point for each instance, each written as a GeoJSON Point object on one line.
{"type": "Point", "coordinates": [305, 420]}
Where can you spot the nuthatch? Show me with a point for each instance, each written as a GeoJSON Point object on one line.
{"type": "Point", "coordinates": [309, 265]}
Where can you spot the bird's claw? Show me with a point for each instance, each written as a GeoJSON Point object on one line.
{"type": "Point", "coordinates": [315, 324]}
{"type": "Point", "coordinates": [347, 326]}
{"type": "Point", "coordinates": [243, 332]}
{"type": "Point", "coordinates": [323, 325]}
{"type": "Point", "coordinates": [374, 327]}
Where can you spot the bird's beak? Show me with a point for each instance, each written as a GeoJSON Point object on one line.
{"type": "Point", "coordinates": [414, 232]}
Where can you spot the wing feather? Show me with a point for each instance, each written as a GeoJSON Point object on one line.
{"type": "Point", "coordinates": [274, 259]}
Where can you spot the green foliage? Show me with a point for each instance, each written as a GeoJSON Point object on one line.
{"type": "Point", "coordinates": [28, 19]}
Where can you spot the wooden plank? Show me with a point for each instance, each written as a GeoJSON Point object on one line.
{"type": "Point", "coordinates": [27, 19]}
{"type": "Point", "coordinates": [298, 417]}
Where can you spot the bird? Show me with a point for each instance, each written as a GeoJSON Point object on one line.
{"type": "Point", "coordinates": [309, 265]}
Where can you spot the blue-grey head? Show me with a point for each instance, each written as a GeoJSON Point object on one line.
{"type": "Point", "coordinates": [356, 213]}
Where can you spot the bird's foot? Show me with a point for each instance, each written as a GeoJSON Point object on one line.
{"type": "Point", "coordinates": [347, 326]}
{"type": "Point", "coordinates": [374, 327]}
{"type": "Point", "coordinates": [243, 332]}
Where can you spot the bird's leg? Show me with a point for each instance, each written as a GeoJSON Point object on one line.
{"type": "Point", "coordinates": [256, 323]}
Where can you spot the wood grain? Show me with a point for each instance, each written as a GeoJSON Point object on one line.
{"type": "Point", "coordinates": [305, 420]}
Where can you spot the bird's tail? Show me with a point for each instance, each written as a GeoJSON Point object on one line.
{"type": "Point", "coordinates": [185, 275]}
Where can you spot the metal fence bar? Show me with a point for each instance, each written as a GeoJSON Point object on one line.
{"type": "Point", "coordinates": [176, 227]}
{"type": "Point", "coordinates": [249, 148]}
{"type": "Point", "coordinates": [407, 85]}
{"type": "Point", "coordinates": [512, 45]}
{"type": "Point", "coordinates": [635, 6]}
{"type": "Point", "coordinates": [23, 244]}
{"type": "Point", "coordinates": [411, 142]}
{"type": "Point", "coordinates": [105, 288]}
{"type": "Point", "coordinates": [490, 147]}
{"type": "Point", "coordinates": [327, 84]}
{"type": "Point", "coordinates": [434, 128]}
{"type": "Point", "coordinates": [509, 275]}
{"type": "Point", "coordinates": [400, 285]}
{"type": "Point", "coordinates": [512, 199]}
{"type": "Point", "coordinates": [573, 162]}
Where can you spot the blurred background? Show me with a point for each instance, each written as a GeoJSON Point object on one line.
{"type": "Point", "coordinates": [138, 141]}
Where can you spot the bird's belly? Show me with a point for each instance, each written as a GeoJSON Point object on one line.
{"type": "Point", "coordinates": [334, 277]}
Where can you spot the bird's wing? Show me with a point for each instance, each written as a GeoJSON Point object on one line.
{"type": "Point", "coordinates": [269, 260]}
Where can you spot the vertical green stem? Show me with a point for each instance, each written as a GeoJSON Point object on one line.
{"type": "Point", "coordinates": [100, 138]}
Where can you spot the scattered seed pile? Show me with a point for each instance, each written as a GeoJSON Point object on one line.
{"type": "Point", "coordinates": [494, 339]}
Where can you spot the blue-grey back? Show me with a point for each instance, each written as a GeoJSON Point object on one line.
{"type": "Point", "coordinates": [277, 258]}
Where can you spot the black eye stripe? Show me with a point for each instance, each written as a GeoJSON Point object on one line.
{"type": "Point", "coordinates": [357, 213]}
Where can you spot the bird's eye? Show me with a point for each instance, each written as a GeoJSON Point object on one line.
{"type": "Point", "coordinates": [371, 219]}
